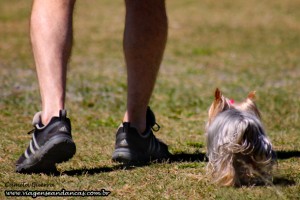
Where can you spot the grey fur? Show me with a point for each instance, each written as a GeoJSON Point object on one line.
{"type": "Point", "coordinates": [238, 149]}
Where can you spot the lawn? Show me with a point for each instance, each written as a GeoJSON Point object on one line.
{"type": "Point", "coordinates": [236, 45]}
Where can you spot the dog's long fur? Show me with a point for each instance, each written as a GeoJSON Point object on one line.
{"type": "Point", "coordinates": [238, 149]}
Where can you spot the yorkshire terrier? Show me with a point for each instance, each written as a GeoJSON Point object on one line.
{"type": "Point", "coordinates": [238, 150]}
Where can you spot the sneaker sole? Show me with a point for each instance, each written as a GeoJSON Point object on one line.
{"type": "Point", "coordinates": [57, 150]}
{"type": "Point", "coordinates": [125, 155]}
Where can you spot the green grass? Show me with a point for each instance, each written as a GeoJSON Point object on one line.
{"type": "Point", "coordinates": [238, 46]}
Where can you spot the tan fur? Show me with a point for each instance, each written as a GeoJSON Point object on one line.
{"type": "Point", "coordinates": [231, 162]}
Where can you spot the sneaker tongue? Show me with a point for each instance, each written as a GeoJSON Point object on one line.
{"type": "Point", "coordinates": [126, 126]}
{"type": "Point", "coordinates": [37, 118]}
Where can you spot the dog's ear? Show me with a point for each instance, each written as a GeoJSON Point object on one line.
{"type": "Point", "coordinates": [249, 104]}
{"type": "Point", "coordinates": [251, 95]}
{"type": "Point", "coordinates": [218, 95]}
{"type": "Point", "coordinates": [216, 107]}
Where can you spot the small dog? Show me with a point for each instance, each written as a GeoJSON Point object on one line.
{"type": "Point", "coordinates": [238, 149]}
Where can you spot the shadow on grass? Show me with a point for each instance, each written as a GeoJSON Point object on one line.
{"type": "Point", "coordinates": [178, 157]}
{"type": "Point", "coordinates": [282, 155]}
{"type": "Point", "coordinates": [287, 154]}
{"type": "Point", "coordinates": [281, 181]}
{"type": "Point", "coordinates": [99, 170]}
{"type": "Point", "coordinates": [188, 157]}
{"type": "Point", "coordinates": [201, 157]}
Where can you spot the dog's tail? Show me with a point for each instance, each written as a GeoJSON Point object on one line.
{"type": "Point", "coordinates": [244, 154]}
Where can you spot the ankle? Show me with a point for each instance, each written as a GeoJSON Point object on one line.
{"type": "Point", "coordinates": [140, 128]}
{"type": "Point", "coordinates": [47, 116]}
{"type": "Point", "coordinates": [45, 120]}
{"type": "Point", "coordinates": [139, 125]}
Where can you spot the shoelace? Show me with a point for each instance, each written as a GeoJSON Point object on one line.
{"type": "Point", "coordinates": [31, 131]}
{"type": "Point", "coordinates": [155, 127]}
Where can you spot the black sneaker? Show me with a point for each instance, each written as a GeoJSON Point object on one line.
{"type": "Point", "coordinates": [132, 147]}
{"type": "Point", "coordinates": [49, 145]}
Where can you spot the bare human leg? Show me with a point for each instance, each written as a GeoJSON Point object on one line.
{"type": "Point", "coordinates": [145, 38]}
{"type": "Point", "coordinates": [51, 38]}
